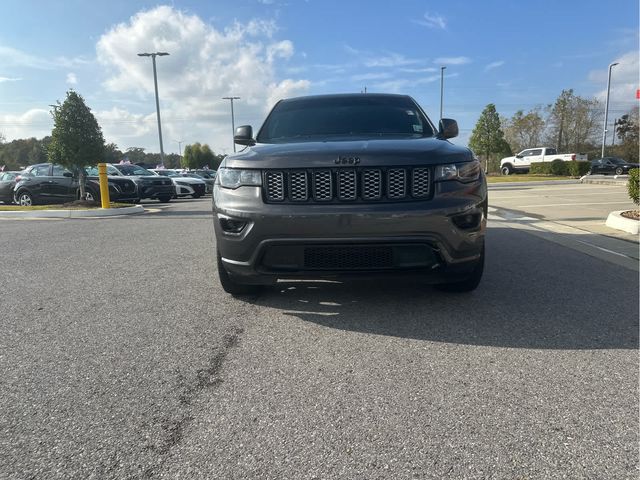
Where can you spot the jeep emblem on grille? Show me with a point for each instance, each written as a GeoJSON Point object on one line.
{"type": "Point", "coordinates": [347, 160]}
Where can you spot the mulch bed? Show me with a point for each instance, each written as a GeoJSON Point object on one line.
{"type": "Point", "coordinates": [81, 204]}
{"type": "Point", "coordinates": [632, 214]}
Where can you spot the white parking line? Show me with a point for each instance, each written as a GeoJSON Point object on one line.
{"type": "Point", "coordinates": [570, 204]}
{"type": "Point", "coordinates": [560, 194]}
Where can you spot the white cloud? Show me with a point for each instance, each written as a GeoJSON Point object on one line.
{"type": "Point", "coordinates": [432, 21]}
{"type": "Point", "coordinates": [17, 58]}
{"type": "Point", "coordinates": [452, 60]}
{"type": "Point", "coordinates": [390, 60]}
{"type": "Point", "coordinates": [72, 79]}
{"type": "Point", "coordinates": [37, 122]}
{"type": "Point", "coordinates": [493, 65]}
{"type": "Point", "coordinates": [9, 79]}
{"type": "Point", "coordinates": [624, 80]}
{"type": "Point", "coordinates": [204, 64]}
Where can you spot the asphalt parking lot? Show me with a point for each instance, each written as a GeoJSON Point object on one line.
{"type": "Point", "coordinates": [121, 357]}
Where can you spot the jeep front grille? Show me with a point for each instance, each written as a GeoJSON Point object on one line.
{"type": "Point", "coordinates": [347, 185]}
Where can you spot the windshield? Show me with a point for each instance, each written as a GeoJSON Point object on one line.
{"type": "Point", "coordinates": [166, 173]}
{"type": "Point", "coordinates": [368, 116]}
{"type": "Point", "coordinates": [132, 170]}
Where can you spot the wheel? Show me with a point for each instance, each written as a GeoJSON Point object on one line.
{"type": "Point", "coordinates": [164, 199]}
{"type": "Point", "coordinates": [196, 195]}
{"type": "Point", "coordinates": [24, 199]}
{"type": "Point", "coordinates": [468, 284]}
{"type": "Point", "coordinates": [89, 196]}
{"type": "Point", "coordinates": [231, 286]}
{"type": "Point", "coordinates": [619, 171]}
{"type": "Point", "coordinates": [506, 169]}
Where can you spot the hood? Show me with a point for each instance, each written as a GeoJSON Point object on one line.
{"type": "Point", "coordinates": [365, 153]}
{"type": "Point", "coordinates": [189, 180]}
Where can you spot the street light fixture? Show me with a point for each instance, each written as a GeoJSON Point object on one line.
{"type": "Point", "coordinates": [441, 89]}
{"type": "Point", "coordinates": [233, 125]}
{"type": "Point", "coordinates": [155, 83]}
{"type": "Point", "coordinates": [606, 110]}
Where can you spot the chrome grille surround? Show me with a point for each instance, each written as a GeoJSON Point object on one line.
{"type": "Point", "coordinates": [347, 184]}
{"type": "Point", "coordinates": [322, 185]}
{"type": "Point", "coordinates": [274, 181]}
{"type": "Point", "coordinates": [298, 186]}
{"type": "Point", "coordinates": [396, 183]}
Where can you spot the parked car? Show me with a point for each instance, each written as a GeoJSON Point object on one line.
{"type": "Point", "coordinates": [148, 184]}
{"type": "Point", "coordinates": [184, 186]}
{"type": "Point", "coordinates": [8, 182]}
{"type": "Point", "coordinates": [613, 165]}
{"type": "Point", "coordinates": [209, 181]}
{"type": "Point", "coordinates": [51, 183]}
{"type": "Point", "coordinates": [522, 161]}
{"type": "Point", "coordinates": [350, 184]}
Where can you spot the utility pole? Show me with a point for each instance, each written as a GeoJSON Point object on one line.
{"type": "Point", "coordinates": [606, 109]}
{"type": "Point", "coordinates": [155, 83]}
{"type": "Point", "coordinates": [233, 124]}
{"type": "Point", "coordinates": [441, 89]}
{"type": "Point", "coordinates": [613, 137]}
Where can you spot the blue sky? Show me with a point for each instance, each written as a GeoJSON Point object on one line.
{"type": "Point", "coordinates": [515, 54]}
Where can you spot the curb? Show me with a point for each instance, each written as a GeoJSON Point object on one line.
{"type": "Point", "coordinates": [603, 180]}
{"type": "Point", "coordinates": [97, 212]}
{"type": "Point", "coordinates": [617, 221]}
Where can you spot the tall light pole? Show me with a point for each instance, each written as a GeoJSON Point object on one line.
{"type": "Point", "coordinates": [179, 142]}
{"type": "Point", "coordinates": [155, 82]}
{"type": "Point", "coordinates": [233, 124]}
{"type": "Point", "coordinates": [441, 89]}
{"type": "Point", "coordinates": [606, 110]}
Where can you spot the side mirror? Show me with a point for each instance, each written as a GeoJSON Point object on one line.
{"type": "Point", "coordinates": [244, 135]}
{"type": "Point", "coordinates": [448, 128]}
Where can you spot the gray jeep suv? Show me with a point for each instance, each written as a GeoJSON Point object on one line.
{"type": "Point", "coordinates": [352, 184]}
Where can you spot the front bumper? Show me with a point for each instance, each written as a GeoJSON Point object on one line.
{"type": "Point", "coordinates": [321, 240]}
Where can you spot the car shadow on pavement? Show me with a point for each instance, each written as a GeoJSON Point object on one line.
{"type": "Point", "coordinates": [534, 294]}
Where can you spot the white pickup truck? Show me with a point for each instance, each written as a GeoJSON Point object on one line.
{"type": "Point", "coordinates": [523, 160]}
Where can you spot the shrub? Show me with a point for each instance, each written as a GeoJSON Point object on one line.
{"type": "Point", "coordinates": [632, 185]}
{"type": "Point", "coordinates": [560, 168]}
{"type": "Point", "coordinates": [578, 169]}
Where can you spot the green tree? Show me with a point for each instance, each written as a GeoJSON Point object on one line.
{"type": "Point", "coordinates": [574, 123]}
{"type": "Point", "coordinates": [208, 158]}
{"type": "Point", "coordinates": [626, 130]}
{"type": "Point", "coordinates": [76, 139]}
{"type": "Point", "coordinates": [524, 130]}
{"type": "Point", "coordinates": [112, 153]}
{"type": "Point", "coordinates": [487, 139]}
{"type": "Point", "coordinates": [135, 154]}
{"type": "Point", "coordinates": [192, 155]}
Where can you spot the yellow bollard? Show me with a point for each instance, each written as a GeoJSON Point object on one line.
{"type": "Point", "coordinates": [104, 185]}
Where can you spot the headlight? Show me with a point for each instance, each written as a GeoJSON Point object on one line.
{"type": "Point", "coordinates": [234, 178]}
{"type": "Point", "coordinates": [463, 172]}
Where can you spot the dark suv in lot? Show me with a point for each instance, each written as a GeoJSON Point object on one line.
{"type": "Point", "coordinates": [149, 185]}
{"type": "Point", "coordinates": [351, 184]}
{"type": "Point", "coordinates": [51, 183]}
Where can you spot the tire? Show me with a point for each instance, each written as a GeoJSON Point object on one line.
{"type": "Point", "coordinates": [164, 199]}
{"type": "Point", "coordinates": [231, 286]}
{"type": "Point", "coordinates": [468, 284]}
{"type": "Point", "coordinates": [24, 199]}
{"type": "Point", "coordinates": [619, 171]}
{"type": "Point", "coordinates": [506, 169]}
{"type": "Point", "coordinates": [196, 195]}
{"type": "Point", "coordinates": [90, 196]}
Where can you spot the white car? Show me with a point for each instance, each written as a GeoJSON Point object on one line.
{"type": "Point", "coordinates": [185, 186]}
